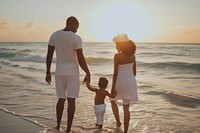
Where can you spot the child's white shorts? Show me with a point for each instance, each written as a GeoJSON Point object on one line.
{"type": "Point", "coordinates": [99, 112]}
{"type": "Point", "coordinates": [67, 86]}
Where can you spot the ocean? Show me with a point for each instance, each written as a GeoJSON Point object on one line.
{"type": "Point", "coordinates": [168, 78]}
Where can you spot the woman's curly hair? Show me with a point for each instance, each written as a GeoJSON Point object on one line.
{"type": "Point", "coordinates": [128, 47]}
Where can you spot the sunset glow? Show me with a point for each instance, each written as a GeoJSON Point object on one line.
{"type": "Point", "coordinates": [122, 17]}
{"type": "Point", "coordinates": [144, 21]}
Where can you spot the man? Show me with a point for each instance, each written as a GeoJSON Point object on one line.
{"type": "Point", "coordinates": [69, 56]}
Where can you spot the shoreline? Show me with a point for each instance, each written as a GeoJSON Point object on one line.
{"type": "Point", "coordinates": [12, 123]}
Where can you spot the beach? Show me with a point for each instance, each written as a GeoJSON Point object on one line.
{"type": "Point", "coordinates": [168, 88]}
{"type": "Point", "coordinates": [11, 123]}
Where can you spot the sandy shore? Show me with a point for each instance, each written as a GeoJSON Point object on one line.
{"type": "Point", "coordinates": [15, 124]}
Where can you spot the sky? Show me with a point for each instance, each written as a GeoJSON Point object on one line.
{"type": "Point", "coordinates": [169, 21]}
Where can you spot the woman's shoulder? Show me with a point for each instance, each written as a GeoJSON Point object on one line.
{"type": "Point", "coordinates": [116, 55]}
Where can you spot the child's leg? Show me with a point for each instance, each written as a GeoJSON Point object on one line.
{"type": "Point", "coordinates": [101, 119]}
{"type": "Point", "coordinates": [116, 112]}
{"type": "Point", "coordinates": [99, 122]}
{"type": "Point", "coordinates": [96, 118]}
{"type": "Point", "coordinates": [100, 126]}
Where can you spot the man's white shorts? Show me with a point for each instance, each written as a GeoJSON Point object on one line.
{"type": "Point", "coordinates": [99, 112]}
{"type": "Point", "coordinates": [67, 86]}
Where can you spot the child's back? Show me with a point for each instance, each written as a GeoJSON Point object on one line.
{"type": "Point", "coordinates": [100, 96]}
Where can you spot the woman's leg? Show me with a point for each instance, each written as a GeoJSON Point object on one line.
{"type": "Point", "coordinates": [116, 112]}
{"type": "Point", "coordinates": [126, 117]}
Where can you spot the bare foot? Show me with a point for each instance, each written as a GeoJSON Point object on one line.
{"type": "Point", "coordinates": [118, 124]}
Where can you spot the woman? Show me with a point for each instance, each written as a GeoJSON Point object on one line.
{"type": "Point", "coordinates": [124, 82]}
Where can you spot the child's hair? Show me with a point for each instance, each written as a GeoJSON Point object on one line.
{"type": "Point", "coordinates": [103, 82]}
{"type": "Point", "coordinates": [128, 47]}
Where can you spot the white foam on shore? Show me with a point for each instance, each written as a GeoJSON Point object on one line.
{"type": "Point", "coordinates": [10, 122]}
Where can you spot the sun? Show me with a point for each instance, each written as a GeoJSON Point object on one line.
{"type": "Point", "coordinates": [115, 18]}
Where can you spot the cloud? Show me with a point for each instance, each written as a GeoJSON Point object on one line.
{"type": "Point", "coordinates": [29, 25]}
{"type": "Point", "coordinates": [191, 29]}
{"type": "Point", "coordinates": [183, 33]}
{"type": "Point", "coordinates": [3, 24]}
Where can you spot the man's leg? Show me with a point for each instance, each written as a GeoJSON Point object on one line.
{"type": "Point", "coordinates": [59, 111]}
{"type": "Point", "coordinates": [70, 112]}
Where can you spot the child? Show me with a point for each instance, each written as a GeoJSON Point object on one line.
{"type": "Point", "coordinates": [100, 105]}
{"type": "Point", "coordinates": [124, 82]}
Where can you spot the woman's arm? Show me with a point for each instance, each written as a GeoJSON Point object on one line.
{"type": "Point", "coordinates": [134, 66]}
{"type": "Point", "coordinates": [115, 73]}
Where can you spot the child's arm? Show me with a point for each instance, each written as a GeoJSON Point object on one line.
{"type": "Point", "coordinates": [110, 95]}
{"type": "Point", "coordinates": [90, 88]}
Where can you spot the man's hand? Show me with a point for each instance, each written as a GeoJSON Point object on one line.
{"type": "Point", "coordinates": [87, 78]}
{"type": "Point", "coordinates": [48, 78]}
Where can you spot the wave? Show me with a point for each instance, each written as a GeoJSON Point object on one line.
{"type": "Point", "coordinates": [157, 54]}
{"type": "Point", "coordinates": [7, 54]}
{"type": "Point", "coordinates": [22, 116]}
{"type": "Point", "coordinates": [182, 77]}
{"type": "Point", "coordinates": [5, 63]}
{"type": "Point", "coordinates": [98, 60]}
{"type": "Point", "coordinates": [175, 65]}
{"type": "Point", "coordinates": [40, 59]}
{"type": "Point", "coordinates": [177, 99]}
{"type": "Point", "coordinates": [35, 58]}
{"type": "Point", "coordinates": [10, 53]}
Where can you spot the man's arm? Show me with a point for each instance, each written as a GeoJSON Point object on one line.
{"type": "Point", "coordinates": [48, 63]}
{"type": "Point", "coordinates": [83, 64]}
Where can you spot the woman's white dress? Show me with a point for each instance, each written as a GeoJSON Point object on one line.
{"type": "Point", "coordinates": [126, 85]}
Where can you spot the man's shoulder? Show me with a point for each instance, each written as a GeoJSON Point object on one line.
{"type": "Point", "coordinates": [69, 33]}
{"type": "Point", "coordinates": [75, 35]}
{"type": "Point", "coordinates": [56, 32]}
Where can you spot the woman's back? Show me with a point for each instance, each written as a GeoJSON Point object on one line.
{"type": "Point", "coordinates": [125, 59]}
{"type": "Point", "coordinates": [126, 86]}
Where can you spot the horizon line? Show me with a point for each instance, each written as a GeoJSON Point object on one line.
{"type": "Point", "coordinates": [104, 42]}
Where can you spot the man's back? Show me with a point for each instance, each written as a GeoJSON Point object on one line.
{"type": "Point", "coordinates": [66, 43]}
{"type": "Point", "coordinates": [69, 54]}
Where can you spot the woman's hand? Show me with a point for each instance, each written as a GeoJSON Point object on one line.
{"type": "Point", "coordinates": [113, 92]}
